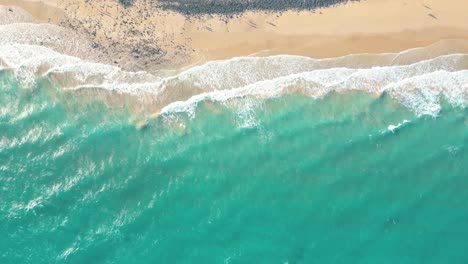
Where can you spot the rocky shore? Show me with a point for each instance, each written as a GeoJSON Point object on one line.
{"type": "Point", "coordinates": [150, 35]}
{"type": "Point", "coordinates": [155, 35]}
{"type": "Point", "coordinates": [230, 7]}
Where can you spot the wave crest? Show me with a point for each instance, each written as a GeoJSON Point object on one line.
{"type": "Point", "coordinates": [417, 78]}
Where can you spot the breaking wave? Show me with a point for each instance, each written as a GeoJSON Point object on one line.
{"type": "Point", "coordinates": [11, 15]}
{"type": "Point", "coordinates": [418, 78]}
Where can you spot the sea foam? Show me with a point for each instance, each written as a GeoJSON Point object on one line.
{"type": "Point", "coordinates": [417, 78]}
{"type": "Point", "coordinates": [418, 86]}
{"type": "Point", "coordinates": [12, 14]}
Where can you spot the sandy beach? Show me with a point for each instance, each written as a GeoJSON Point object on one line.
{"type": "Point", "coordinates": [144, 37]}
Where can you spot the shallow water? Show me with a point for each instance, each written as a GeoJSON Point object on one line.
{"type": "Point", "coordinates": [343, 178]}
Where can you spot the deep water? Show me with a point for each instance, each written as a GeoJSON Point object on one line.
{"type": "Point", "coordinates": [284, 180]}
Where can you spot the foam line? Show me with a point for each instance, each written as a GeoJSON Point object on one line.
{"type": "Point", "coordinates": [417, 78]}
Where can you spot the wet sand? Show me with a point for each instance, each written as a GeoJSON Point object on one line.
{"type": "Point", "coordinates": [144, 37]}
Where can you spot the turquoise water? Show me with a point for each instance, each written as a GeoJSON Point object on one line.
{"type": "Point", "coordinates": [288, 180]}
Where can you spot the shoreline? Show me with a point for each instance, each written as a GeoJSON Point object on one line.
{"type": "Point", "coordinates": [320, 47]}
{"type": "Point", "coordinates": [142, 38]}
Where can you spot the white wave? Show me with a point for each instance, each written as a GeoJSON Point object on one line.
{"type": "Point", "coordinates": [215, 75]}
{"type": "Point", "coordinates": [418, 85]}
{"type": "Point", "coordinates": [392, 128]}
{"type": "Point", "coordinates": [439, 48]}
{"type": "Point", "coordinates": [67, 252]}
{"type": "Point", "coordinates": [83, 74]}
{"type": "Point", "coordinates": [315, 83]}
{"type": "Point", "coordinates": [51, 36]}
{"type": "Point", "coordinates": [423, 93]}
{"type": "Point", "coordinates": [415, 86]}
{"type": "Point", "coordinates": [12, 14]}
{"type": "Point", "coordinates": [28, 61]}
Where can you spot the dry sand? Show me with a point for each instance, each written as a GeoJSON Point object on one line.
{"type": "Point", "coordinates": [41, 10]}
{"type": "Point", "coordinates": [357, 27]}
{"type": "Point", "coordinates": [144, 37]}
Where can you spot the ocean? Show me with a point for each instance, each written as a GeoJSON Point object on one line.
{"type": "Point", "coordinates": [281, 159]}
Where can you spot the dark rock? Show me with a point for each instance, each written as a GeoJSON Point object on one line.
{"type": "Point", "coordinates": [127, 3]}
{"type": "Point", "coordinates": [230, 7]}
